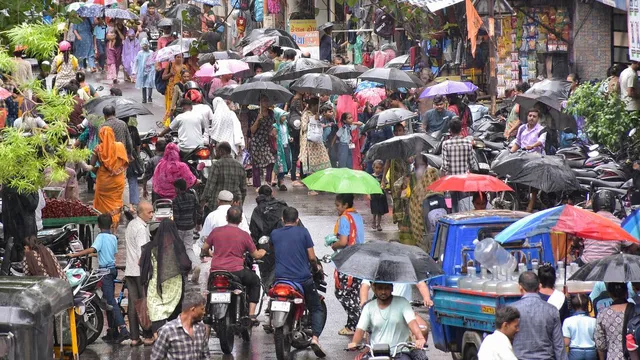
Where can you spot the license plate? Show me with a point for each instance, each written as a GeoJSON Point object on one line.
{"type": "Point", "coordinates": [280, 306]}
{"type": "Point", "coordinates": [206, 162]}
{"type": "Point", "coordinates": [220, 298]}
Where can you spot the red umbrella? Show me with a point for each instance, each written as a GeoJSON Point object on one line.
{"type": "Point", "coordinates": [4, 93]}
{"type": "Point", "coordinates": [469, 183]}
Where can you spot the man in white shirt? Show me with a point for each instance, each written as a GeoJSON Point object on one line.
{"type": "Point", "coordinates": [497, 346]}
{"type": "Point", "coordinates": [190, 126]}
{"type": "Point", "coordinates": [629, 87]}
{"type": "Point", "coordinates": [218, 217]}
{"type": "Point", "coordinates": [390, 319]}
{"type": "Point", "coordinates": [137, 234]}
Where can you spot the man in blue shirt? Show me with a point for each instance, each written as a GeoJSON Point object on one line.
{"type": "Point", "coordinates": [106, 246]}
{"type": "Point", "coordinates": [295, 258]}
{"type": "Point", "coordinates": [437, 119]}
{"type": "Point", "coordinates": [326, 42]}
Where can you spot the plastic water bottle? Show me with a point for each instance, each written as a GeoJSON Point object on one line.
{"type": "Point", "coordinates": [489, 253]}
{"type": "Point", "coordinates": [477, 285]}
{"type": "Point", "coordinates": [491, 286]}
{"type": "Point", "coordinates": [465, 282]}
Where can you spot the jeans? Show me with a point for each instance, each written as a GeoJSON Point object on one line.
{"type": "Point", "coordinates": [287, 157]}
{"type": "Point", "coordinates": [251, 282]}
{"type": "Point", "coordinates": [114, 317]}
{"type": "Point", "coordinates": [134, 190]}
{"type": "Point", "coordinates": [102, 53]}
{"type": "Point", "coordinates": [135, 291]}
{"type": "Point", "coordinates": [582, 354]}
{"type": "Point", "coordinates": [187, 240]}
{"type": "Point", "coordinates": [295, 153]}
{"type": "Point", "coordinates": [345, 156]}
{"type": "Point", "coordinates": [312, 299]}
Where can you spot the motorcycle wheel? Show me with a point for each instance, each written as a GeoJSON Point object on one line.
{"type": "Point", "coordinates": [246, 333]}
{"type": "Point", "coordinates": [282, 340]}
{"type": "Point", "coordinates": [225, 334]}
{"type": "Point", "coordinates": [95, 317]}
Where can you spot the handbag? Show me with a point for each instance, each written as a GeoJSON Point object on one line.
{"type": "Point", "coordinates": [143, 313]}
{"type": "Point", "coordinates": [314, 131]}
{"type": "Point", "coordinates": [136, 166]}
{"type": "Point", "coordinates": [273, 144]}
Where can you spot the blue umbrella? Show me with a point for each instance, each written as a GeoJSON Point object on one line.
{"type": "Point", "coordinates": [632, 224]}
{"type": "Point", "coordinates": [120, 14]}
{"type": "Point", "coordinates": [91, 11]}
{"type": "Point", "coordinates": [448, 87]}
{"type": "Point", "coordinates": [367, 85]}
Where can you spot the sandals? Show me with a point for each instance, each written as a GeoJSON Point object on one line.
{"type": "Point", "coordinates": [346, 332]}
{"type": "Point", "coordinates": [282, 187]}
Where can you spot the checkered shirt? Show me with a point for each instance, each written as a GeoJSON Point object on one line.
{"type": "Point", "coordinates": [174, 343]}
{"type": "Point", "coordinates": [457, 155]}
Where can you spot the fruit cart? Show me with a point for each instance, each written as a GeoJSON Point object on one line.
{"type": "Point", "coordinates": [59, 212]}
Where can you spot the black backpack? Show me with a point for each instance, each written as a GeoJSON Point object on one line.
{"type": "Point", "coordinates": [383, 24]}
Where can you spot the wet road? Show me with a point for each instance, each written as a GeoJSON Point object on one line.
{"type": "Point", "coordinates": [319, 216]}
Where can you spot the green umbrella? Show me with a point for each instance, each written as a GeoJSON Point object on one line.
{"type": "Point", "coordinates": [343, 181]}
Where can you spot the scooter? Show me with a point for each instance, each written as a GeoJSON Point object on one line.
{"type": "Point", "coordinates": [383, 351]}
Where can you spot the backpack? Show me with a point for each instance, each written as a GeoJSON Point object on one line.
{"type": "Point", "coordinates": [602, 301]}
{"type": "Point", "coordinates": [383, 24]}
{"type": "Point", "coordinates": [631, 325]}
{"type": "Point", "coordinates": [244, 5]}
{"type": "Point", "coordinates": [161, 85]}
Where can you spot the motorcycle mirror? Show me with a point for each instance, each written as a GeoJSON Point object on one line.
{"type": "Point", "coordinates": [632, 132]}
{"type": "Point", "coordinates": [593, 154]}
{"type": "Point", "coordinates": [593, 147]}
{"type": "Point", "coordinates": [326, 259]}
{"type": "Point", "coordinates": [263, 240]}
{"type": "Point", "coordinates": [100, 88]}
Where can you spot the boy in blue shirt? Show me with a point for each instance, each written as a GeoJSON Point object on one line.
{"type": "Point", "coordinates": [106, 246]}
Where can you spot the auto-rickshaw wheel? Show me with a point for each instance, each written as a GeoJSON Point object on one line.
{"type": "Point", "coordinates": [81, 336]}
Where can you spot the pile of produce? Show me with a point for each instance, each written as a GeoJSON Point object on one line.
{"type": "Point", "coordinates": [62, 208]}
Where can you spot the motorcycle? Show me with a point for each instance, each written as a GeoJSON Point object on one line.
{"type": "Point", "coordinates": [153, 35]}
{"type": "Point", "coordinates": [228, 309]}
{"type": "Point", "coordinates": [147, 147]}
{"type": "Point", "coordinates": [289, 317]}
{"type": "Point", "coordinates": [383, 351]}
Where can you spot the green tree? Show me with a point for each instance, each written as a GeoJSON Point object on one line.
{"type": "Point", "coordinates": [606, 120]}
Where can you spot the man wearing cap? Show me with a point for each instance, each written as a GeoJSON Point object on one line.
{"type": "Point", "coordinates": [326, 43]}
{"type": "Point", "coordinates": [437, 119]}
{"type": "Point", "coordinates": [190, 127]}
{"type": "Point", "coordinates": [218, 217]}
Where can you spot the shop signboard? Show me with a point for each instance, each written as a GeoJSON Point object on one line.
{"type": "Point", "coordinates": [305, 33]}
{"type": "Point", "coordinates": [633, 26]}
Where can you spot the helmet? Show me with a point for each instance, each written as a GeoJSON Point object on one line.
{"type": "Point", "coordinates": [191, 85]}
{"type": "Point", "coordinates": [604, 200]}
{"type": "Point", "coordinates": [194, 95]}
{"type": "Point", "coordinates": [64, 46]}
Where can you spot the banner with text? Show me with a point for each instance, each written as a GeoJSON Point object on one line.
{"type": "Point", "coordinates": [633, 27]}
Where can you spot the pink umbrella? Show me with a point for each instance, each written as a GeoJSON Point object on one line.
{"type": "Point", "coordinates": [222, 67]}
{"type": "Point", "coordinates": [4, 93]}
{"type": "Point", "coordinates": [373, 96]}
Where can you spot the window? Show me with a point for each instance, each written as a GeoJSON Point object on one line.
{"type": "Point", "coordinates": [620, 41]}
{"type": "Point", "coordinates": [441, 241]}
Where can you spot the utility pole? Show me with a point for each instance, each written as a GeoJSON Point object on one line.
{"type": "Point", "coordinates": [493, 81]}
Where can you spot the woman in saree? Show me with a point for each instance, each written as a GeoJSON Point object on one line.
{"type": "Point", "coordinates": [172, 74]}
{"type": "Point", "coordinates": [164, 264]}
{"type": "Point", "coordinates": [420, 181]}
{"type": "Point", "coordinates": [109, 162]}
{"type": "Point", "coordinates": [313, 155]}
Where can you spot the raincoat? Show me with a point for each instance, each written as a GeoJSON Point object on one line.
{"type": "Point", "coordinates": [225, 125]}
{"type": "Point", "coordinates": [283, 133]}
{"type": "Point", "coordinates": [130, 49]}
{"type": "Point", "coordinates": [145, 73]}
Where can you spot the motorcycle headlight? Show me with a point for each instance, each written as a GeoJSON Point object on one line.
{"type": "Point", "coordinates": [80, 310]}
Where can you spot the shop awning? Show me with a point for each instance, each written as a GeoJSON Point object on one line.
{"type": "Point", "coordinates": [618, 4]}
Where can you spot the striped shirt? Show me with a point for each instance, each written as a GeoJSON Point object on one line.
{"type": "Point", "coordinates": [597, 249]}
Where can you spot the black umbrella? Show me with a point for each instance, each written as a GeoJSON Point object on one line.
{"type": "Point", "coordinates": [392, 78]}
{"type": "Point", "coordinates": [614, 268]}
{"type": "Point", "coordinates": [297, 68]}
{"type": "Point", "coordinates": [545, 172]}
{"type": "Point", "coordinates": [388, 117]}
{"type": "Point", "coordinates": [264, 62]}
{"type": "Point", "coordinates": [250, 93]}
{"type": "Point", "coordinates": [551, 109]}
{"type": "Point", "coordinates": [225, 91]}
{"type": "Point", "coordinates": [168, 22]}
{"type": "Point", "coordinates": [402, 147]}
{"type": "Point", "coordinates": [397, 62]}
{"type": "Point", "coordinates": [175, 11]}
{"type": "Point", "coordinates": [388, 262]}
{"type": "Point", "coordinates": [282, 38]}
{"type": "Point", "coordinates": [321, 84]}
{"type": "Point", "coordinates": [265, 76]}
{"type": "Point", "coordinates": [347, 71]}
{"type": "Point", "coordinates": [125, 107]}
{"type": "Point", "coordinates": [204, 58]}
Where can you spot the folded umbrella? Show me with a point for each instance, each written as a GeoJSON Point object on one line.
{"type": "Point", "coordinates": [347, 71]}
{"type": "Point", "coordinates": [388, 117]}
{"type": "Point", "coordinates": [469, 183]}
{"type": "Point", "coordinates": [299, 67]}
{"type": "Point", "coordinates": [620, 268]}
{"type": "Point", "coordinates": [448, 87]}
{"type": "Point", "coordinates": [386, 262]}
{"type": "Point", "coordinates": [545, 172]}
{"type": "Point", "coordinates": [225, 91]}
{"type": "Point", "coordinates": [124, 107]}
{"type": "Point", "coordinates": [321, 84]}
{"type": "Point", "coordinates": [567, 219]}
{"type": "Point", "coordinates": [343, 181]}
{"type": "Point", "coordinates": [251, 93]}
{"type": "Point", "coordinates": [391, 78]}
{"type": "Point", "coordinates": [402, 147]}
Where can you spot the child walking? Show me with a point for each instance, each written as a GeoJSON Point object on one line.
{"type": "Point", "coordinates": [379, 205]}
{"type": "Point", "coordinates": [578, 330]}
{"type": "Point", "coordinates": [145, 72]}
{"type": "Point", "coordinates": [106, 246]}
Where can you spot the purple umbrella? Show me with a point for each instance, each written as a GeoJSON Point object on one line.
{"type": "Point", "coordinates": [448, 87]}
